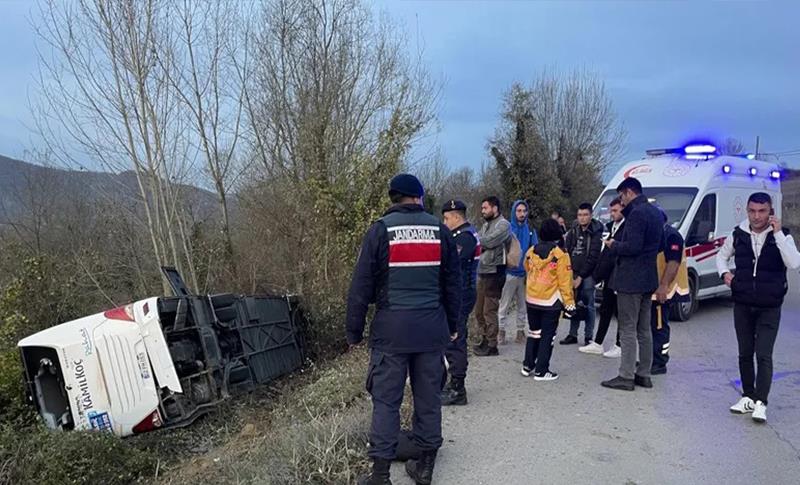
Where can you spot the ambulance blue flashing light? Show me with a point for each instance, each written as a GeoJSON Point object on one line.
{"type": "Point", "coordinates": [751, 156]}
{"type": "Point", "coordinates": [726, 168]}
{"type": "Point", "coordinates": [752, 171]}
{"type": "Point", "coordinates": [699, 149]}
{"type": "Point", "coordinates": [775, 174]}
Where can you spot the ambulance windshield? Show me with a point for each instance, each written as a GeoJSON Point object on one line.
{"type": "Point", "coordinates": [674, 200]}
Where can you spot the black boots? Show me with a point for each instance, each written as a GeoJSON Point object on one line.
{"type": "Point", "coordinates": [379, 475]}
{"type": "Point", "coordinates": [422, 470]}
{"type": "Point", "coordinates": [406, 447]}
{"type": "Point", "coordinates": [485, 351]}
{"type": "Point", "coordinates": [481, 347]}
{"type": "Point", "coordinates": [454, 394]}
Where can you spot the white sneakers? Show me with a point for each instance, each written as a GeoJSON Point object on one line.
{"type": "Point", "coordinates": [614, 353]}
{"type": "Point", "coordinates": [547, 376]}
{"type": "Point", "coordinates": [592, 348]}
{"type": "Point", "coordinates": [744, 406]}
{"type": "Point", "coordinates": [757, 408]}
{"type": "Point", "coordinates": [760, 412]}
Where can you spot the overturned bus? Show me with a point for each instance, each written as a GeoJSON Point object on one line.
{"type": "Point", "coordinates": [159, 362]}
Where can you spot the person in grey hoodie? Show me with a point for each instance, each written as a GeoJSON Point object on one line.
{"type": "Point", "coordinates": [494, 237]}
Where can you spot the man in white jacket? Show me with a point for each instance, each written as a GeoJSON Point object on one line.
{"type": "Point", "coordinates": [762, 251]}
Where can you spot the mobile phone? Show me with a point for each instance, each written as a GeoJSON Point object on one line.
{"type": "Point", "coordinates": [772, 212]}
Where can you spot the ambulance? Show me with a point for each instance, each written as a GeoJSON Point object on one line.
{"type": "Point", "coordinates": [705, 197]}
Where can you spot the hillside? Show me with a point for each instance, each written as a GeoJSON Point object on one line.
{"type": "Point", "coordinates": [20, 181]}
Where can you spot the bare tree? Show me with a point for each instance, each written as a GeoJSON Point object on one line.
{"type": "Point", "coordinates": [334, 106]}
{"type": "Point", "coordinates": [556, 138]}
{"type": "Point", "coordinates": [209, 50]}
{"type": "Point", "coordinates": [106, 96]}
{"type": "Point", "coordinates": [732, 146]}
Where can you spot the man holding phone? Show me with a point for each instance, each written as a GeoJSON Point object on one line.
{"type": "Point", "coordinates": [762, 251]}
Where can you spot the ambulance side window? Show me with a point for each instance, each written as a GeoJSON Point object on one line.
{"type": "Point", "coordinates": [704, 223]}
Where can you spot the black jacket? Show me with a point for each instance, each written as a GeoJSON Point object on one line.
{"type": "Point", "coordinates": [635, 270]}
{"type": "Point", "coordinates": [403, 330]}
{"type": "Point", "coordinates": [602, 271]}
{"type": "Point", "coordinates": [583, 246]}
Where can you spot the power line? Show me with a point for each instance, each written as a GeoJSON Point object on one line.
{"type": "Point", "coordinates": [796, 151]}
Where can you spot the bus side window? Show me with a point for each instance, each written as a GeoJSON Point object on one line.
{"type": "Point", "coordinates": [704, 224]}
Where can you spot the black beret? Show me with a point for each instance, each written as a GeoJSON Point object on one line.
{"type": "Point", "coordinates": [453, 205]}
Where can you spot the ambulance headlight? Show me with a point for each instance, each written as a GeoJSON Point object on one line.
{"type": "Point", "coordinates": [775, 174]}
{"type": "Point", "coordinates": [752, 171]}
{"type": "Point", "coordinates": [726, 169]}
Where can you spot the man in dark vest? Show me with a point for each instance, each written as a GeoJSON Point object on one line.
{"type": "Point", "coordinates": [469, 253]}
{"type": "Point", "coordinates": [409, 268]}
{"type": "Point", "coordinates": [762, 251]}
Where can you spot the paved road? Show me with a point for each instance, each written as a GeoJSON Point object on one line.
{"type": "Point", "coordinates": [572, 431]}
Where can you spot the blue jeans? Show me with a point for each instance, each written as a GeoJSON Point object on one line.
{"type": "Point", "coordinates": [585, 293]}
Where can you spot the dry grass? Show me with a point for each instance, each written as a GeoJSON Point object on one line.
{"type": "Point", "coordinates": [315, 432]}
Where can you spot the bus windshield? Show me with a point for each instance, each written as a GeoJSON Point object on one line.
{"type": "Point", "coordinates": [674, 200]}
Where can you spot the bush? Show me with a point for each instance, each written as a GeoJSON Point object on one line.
{"type": "Point", "coordinates": [13, 409]}
{"type": "Point", "coordinates": [39, 456]}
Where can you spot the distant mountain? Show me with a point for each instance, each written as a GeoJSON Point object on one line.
{"type": "Point", "coordinates": [19, 180]}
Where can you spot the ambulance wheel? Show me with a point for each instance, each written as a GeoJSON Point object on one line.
{"type": "Point", "coordinates": [682, 311]}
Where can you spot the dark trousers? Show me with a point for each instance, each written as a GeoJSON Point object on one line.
{"type": "Point", "coordinates": [756, 330]}
{"type": "Point", "coordinates": [659, 323]}
{"type": "Point", "coordinates": [608, 308]}
{"type": "Point", "coordinates": [386, 381]}
{"type": "Point", "coordinates": [539, 345]}
{"type": "Point", "coordinates": [490, 289]}
{"type": "Point", "coordinates": [585, 293]}
{"type": "Point", "coordinates": [456, 351]}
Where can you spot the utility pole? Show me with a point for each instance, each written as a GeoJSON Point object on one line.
{"type": "Point", "coordinates": [757, 140]}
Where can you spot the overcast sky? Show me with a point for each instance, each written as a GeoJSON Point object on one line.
{"type": "Point", "coordinates": [675, 70]}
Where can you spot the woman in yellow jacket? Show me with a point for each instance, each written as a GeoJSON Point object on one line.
{"type": "Point", "coordinates": [548, 293]}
